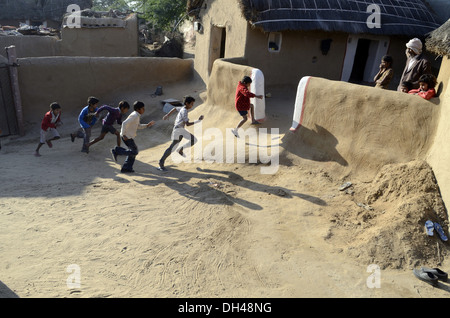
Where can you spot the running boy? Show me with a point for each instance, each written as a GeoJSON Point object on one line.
{"type": "Point", "coordinates": [242, 103]}
{"type": "Point", "coordinates": [114, 115]}
{"type": "Point", "coordinates": [86, 119]}
{"type": "Point", "coordinates": [179, 131]}
{"type": "Point", "coordinates": [427, 83]}
{"type": "Point", "coordinates": [51, 120]}
{"type": "Point", "coordinates": [128, 133]}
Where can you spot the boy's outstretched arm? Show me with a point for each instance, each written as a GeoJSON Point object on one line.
{"type": "Point", "coordinates": [193, 123]}
{"type": "Point", "coordinates": [166, 116]}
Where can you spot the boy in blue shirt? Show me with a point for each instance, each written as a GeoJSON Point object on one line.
{"type": "Point", "coordinates": [86, 119]}
{"type": "Point", "coordinates": [114, 115]}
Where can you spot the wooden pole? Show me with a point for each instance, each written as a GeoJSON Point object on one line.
{"type": "Point", "coordinates": [12, 61]}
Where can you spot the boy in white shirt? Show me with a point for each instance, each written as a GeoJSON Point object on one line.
{"type": "Point", "coordinates": [179, 131]}
{"type": "Point", "coordinates": [128, 132]}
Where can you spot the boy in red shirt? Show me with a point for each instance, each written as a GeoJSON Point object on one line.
{"type": "Point", "coordinates": [426, 90]}
{"type": "Point", "coordinates": [51, 120]}
{"type": "Point", "coordinates": [242, 103]}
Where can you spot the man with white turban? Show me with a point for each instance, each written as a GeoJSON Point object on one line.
{"type": "Point", "coordinates": [416, 64]}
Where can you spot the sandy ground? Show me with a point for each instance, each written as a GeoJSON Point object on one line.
{"type": "Point", "coordinates": [200, 230]}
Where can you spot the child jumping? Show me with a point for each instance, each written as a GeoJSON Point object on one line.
{"type": "Point", "coordinates": [114, 115]}
{"type": "Point", "coordinates": [128, 133]}
{"type": "Point", "coordinates": [242, 103]}
{"type": "Point", "coordinates": [51, 120]}
{"type": "Point", "coordinates": [179, 131]}
{"type": "Point", "coordinates": [86, 120]}
{"type": "Point", "coordinates": [427, 83]}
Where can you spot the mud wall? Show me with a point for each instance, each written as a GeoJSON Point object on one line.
{"type": "Point", "coordinates": [439, 156]}
{"type": "Point", "coordinates": [225, 76]}
{"type": "Point", "coordinates": [70, 80]}
{"type": "Point", "coordinates": [363, 128]}
{"type": "Point", "coordinates": [96, 41]}
{"type": "Point", "coordinates": [31, 46]}
{"type": "Point", "coordinates": [102, 41]}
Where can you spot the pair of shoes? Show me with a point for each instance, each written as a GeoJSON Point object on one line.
{"type": "Point", "coordinates": [425, 276]}
{"type": "Point", "coordinates": [441, 275]}
{"type": "Point", "coordinates": [127, 170]}
{"type": "Point", "coordinates": [49, 144]}
{"type": "Point", "coordinates": [235, 133]}
{"type": "Point", "coordinates": [430, 227]}
{"type": "Point", "coordinates": [72, 137]}
{"type": "Point", "coordinates": [114, 155]}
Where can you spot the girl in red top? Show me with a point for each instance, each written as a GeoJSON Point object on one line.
{"type": "Point", "coordinates": [242, 103]}
{"type": "Point", "coordinates": [426, 90]}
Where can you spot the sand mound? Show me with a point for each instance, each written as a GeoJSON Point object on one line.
{"type": "Point", "coordinates": [385, 225]}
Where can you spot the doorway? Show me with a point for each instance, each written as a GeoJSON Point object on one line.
{"type": "Point", "coordinates": [218, 45]}
{"type": "Point", "coordinates": [8, 119]}
{"type": "Point", "coordinates": [362, 58]}
{"type": "Point", "coordinates": [360, 61]}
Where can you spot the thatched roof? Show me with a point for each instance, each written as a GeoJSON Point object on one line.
{"type": "Point", "coordinates": [398, 17]}
{"type": "Point", "coordinates": [406, 17]}
{"type": "Point", "coordinates": [38, 9]}
{"type": "Point", "coordinates": [439, 40]}
{"type": "Point", "coordinates": [193, 6]}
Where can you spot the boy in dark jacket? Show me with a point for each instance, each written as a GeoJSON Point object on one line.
{"type": "Point", "coordinates": [114, 115]}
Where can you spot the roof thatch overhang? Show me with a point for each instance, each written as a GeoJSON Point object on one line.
{"type": "Point", "coordinates": [397, 17]}
{"type": "Point", "coordinates": [439, 40]}
{"type": "Point", "coordinates": [194, 6]}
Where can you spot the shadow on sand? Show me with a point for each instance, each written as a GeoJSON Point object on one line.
{"type": "Point", "coordinates": [177, 180]}
{"type": "Point", "coordinates": [5, 292]}
{"type": "Point", "coordinates": [317, 145]}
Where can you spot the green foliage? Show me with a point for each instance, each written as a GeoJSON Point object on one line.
{"type": "Point", "coordinates": [106, 5]}
{"type": "Point", "coordinates": [162, 14]}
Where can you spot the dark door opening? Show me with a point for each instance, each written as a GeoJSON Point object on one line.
{"type": "Point", "coordinates": [223, 42]}
{"type": "Point", "coordinates": [359, 65]}
{"type": "Point", "coordinates": [8, 119]}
